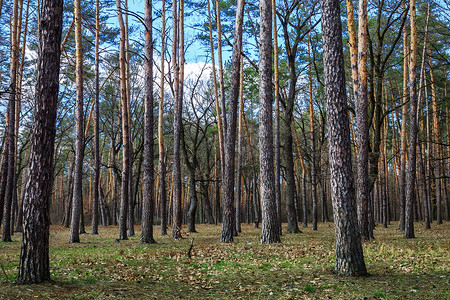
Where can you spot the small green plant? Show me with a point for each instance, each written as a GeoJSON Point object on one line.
{"type": "Point", "coordinates": [310, 288]}
{"type": "Point", "coordinates": [379, 295]}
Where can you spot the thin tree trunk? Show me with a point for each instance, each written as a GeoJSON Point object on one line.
{"type": "Point", "coordinates": [230, 129]}
{"type": "Point", "coordinates": [148, 201]}
{"type": "Point", "coordinates": [216, 185]}
{"type": "Point", "coordinates": [313, 147]}
{"type": "Point", "coordinates": [402, 200]}
{"type": "Point", "coordinates": [304, 202]}
{"type": "Point", "coordinates": [216, 94]}
{"type": "Point", "coordinates": [353, 45]}
{"type": "Point", "coordinates": [239, 166]}
{"type": "Point", "coordinates": [447, 208]}
{"type": "Point", "coordinates": [95, 203]}
{"type": "Point", "coordinates": [437, 148]}
{"type": "Point", "coordinates": [4, 172]}
{"type": "Point", "coordinates": [11, 111]}
{"type": "Point", "coordinates": [221, 81]}
{"type": "Point", "coordinates": [362, 196]}
{"type": "Point", "coordinates": [126, 164]}
{"type": "Point", "coordinates": [277, 161]}
{"type": "Point", "coordinates": [161, 165]}
{"type": "Point", "coordinates": [176, 207]}
{"type": "Point", "coordinates": [131, 200]}
{"type": "Point", "coordinates": [411, 183]}
{"type": "Point", "coordinates": [114, 183]}
{"type": "Point", "coordinates": [79, 141]}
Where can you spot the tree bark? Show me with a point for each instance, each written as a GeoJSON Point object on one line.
{"type": "Point", "coordinates": [161, 164]}
{"type": "Point", "coordinates": [230, 127]}
{"type": "Point", "coordinates": [95, 203]}
{"type": "Point", "coordinates": [148, 201]}
{"type": "Point", "coordinates": [402, 200]}
{"type": "Point", "coordinates": [216, 94]}
{"type": "Point", "coordinates": [270, 232]}
{"type": "Point", "coordinates": [11, 121]}
{"type": "Point", "coordinates": [176, 207]}
{"type": "Point", "coordinates": [34, 257]}
{"type": "Point", "coordinates": [79, 140]}
{"type": "Point", "coordinates": [221, 81]}
{"type": "Point", "coordinates": [437, 148]}
{"type": "Point", "coordinates": [277, 159]}
{"type": "Point", "coordinates": [313, 147]}
{"type": "Point", "coordinates": [239, 166]}
{"type": "Point", "coordinates": [304, 202]}
{"type": "Point", "coordinates": [362, 196]}
{"type": "Point", "coordinates": [349, 254]}
{"type": "Point", "coordinates": [411, 183]}
{"type": "Point", "coordinates": [126, 164]}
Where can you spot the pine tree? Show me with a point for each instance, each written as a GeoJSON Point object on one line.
{"type": "Point", "coordinates": [34, 257]}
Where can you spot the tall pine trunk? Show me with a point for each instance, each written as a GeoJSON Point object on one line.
{"type": "Point", "coordinates": [34, 257]}
{"type": "Point", "coordinates": [11, 121]}
{"type": "Point", "coordinates": [176, 189]}
{"type": "Point", "coordinates": [95, 203]}
{"type": "Point", "coordinates": [270, 232]}
{"type": "Point", "coordinates": [402, 200]}
{"type": "Point", "coordinates": [240, 140]}
{"type": "Point", "coordinates": [349, 254]}
{"type": "Point", "coordinates": [126, 163]}
{"type": "Point", "coordinates": [313, 146]}
{"type": "Point", "coordinates": [230, 129]}
{"type": "Point", "coordinates": [148, 201]}
{"type": "Point", "coordinates": [411, 183]}
{"type": "Point", "coordinates": [161, 164]}
{"type": "Point", "coordinates": [79, 139]}
{"type": "Point", "coordinates": [277, 158]}
{"type": "Point", "coordinates": [362, 196]}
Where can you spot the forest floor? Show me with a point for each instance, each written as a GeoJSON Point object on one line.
{"type": "Point", "coordinates": [298, 268]}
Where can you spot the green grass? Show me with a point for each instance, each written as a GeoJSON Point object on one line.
{"type": "Point", "coordinates": [300, 267]}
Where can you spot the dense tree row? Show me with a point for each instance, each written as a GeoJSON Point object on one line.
{"type": "Point", "coordinates": [285, 117]}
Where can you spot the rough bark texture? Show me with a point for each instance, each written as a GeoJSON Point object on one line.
{"type": "Point", "coordinates": [11, 122]}
{"type": "Point", "coordinates": [193, 202]}
{"type": "Point", "coordinates": [161, 165]}
{"type": "Point", "coordinates": [148, 201]}
{"type": "Point", "coordinates": [303, 188]}
{"type": "Point", "coordinates": [239, 166]}
{"type": "Point", "coordinates": [126, 163]}
{"type": "Point", "coordinates": [277, 158]}
{"type": "Point", "coordinates": [401, 223]}
{"type": "Point", "coordinates": [4, 171]}
{"type": "Point", "coordinates": [176, 207]}
{"type": "Point", "coordinates": [349, 254]}
{"type": "Point", "coordinates": [437, 143]}
{"type": "Point", "coordinates": [79, 139]}
{"type": "Point", "coordinates": [362, 196]}
{"type": "Point", "coordinates": [230, 137]}
{"type": "Point", "coordinates": [413, 128]}
{"type": "Point", "coordinates": [95, 203]}
{"type": "Point", "coordinates": [290, 181]}
{"type": "Point", "coordinates": [34, 257]}
{"type": "Point", "coordinates": [313, 149]}
{"type": "Point", "coordinates": [269, 230]}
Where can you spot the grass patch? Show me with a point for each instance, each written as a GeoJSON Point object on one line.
{"type": "Point", "coordinates": [300, 267]}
